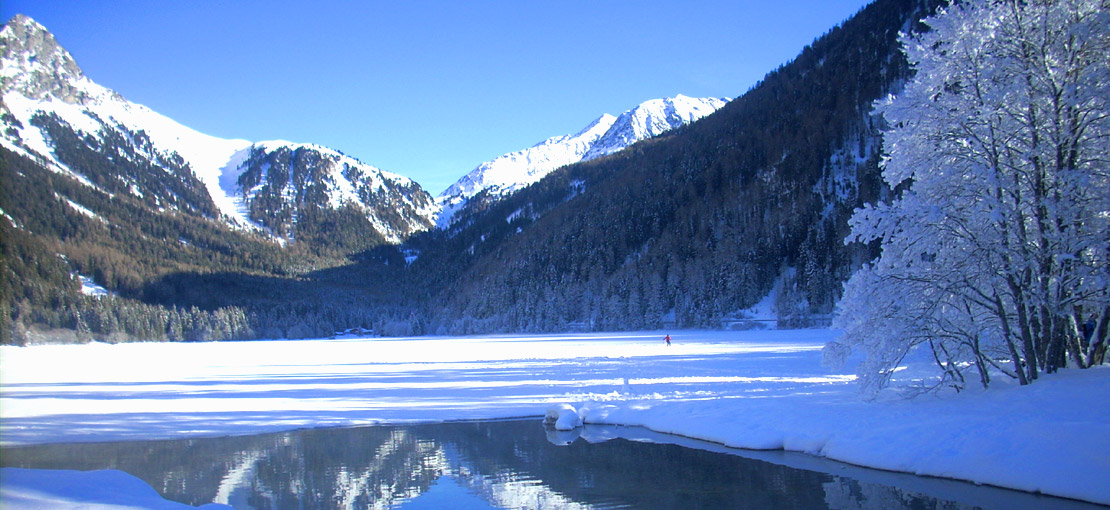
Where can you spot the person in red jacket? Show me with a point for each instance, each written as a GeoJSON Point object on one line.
{"type": "Point", "coordinates": [668, 340]}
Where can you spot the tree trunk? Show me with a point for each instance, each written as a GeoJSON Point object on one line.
{"type": "Point", "coordinates": [1027, 344]}
{"type": "Point", "coordinates": [1023, 379]}
{"type": "Point", "coordinates": [1099, 340]}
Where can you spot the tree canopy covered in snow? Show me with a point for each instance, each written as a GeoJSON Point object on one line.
{"type": "Point", "coordinates": [994, 251]}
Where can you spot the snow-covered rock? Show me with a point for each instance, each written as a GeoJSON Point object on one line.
{"type": "Point", "coordinates": [562, 417]}
{"type": "Point", "coordinates": [605, 135]}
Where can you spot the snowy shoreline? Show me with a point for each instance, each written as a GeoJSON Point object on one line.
{"type": "Point", "coordinates": [759, 390]}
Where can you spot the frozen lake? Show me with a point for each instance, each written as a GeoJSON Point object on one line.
{"type": "Point", "coordinates": [504, 464]}
{"type": "Point", "coordinates": [763, 390]}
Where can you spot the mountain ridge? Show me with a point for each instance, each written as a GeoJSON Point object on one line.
{"type": "Point", "coordinates": [607, 134]}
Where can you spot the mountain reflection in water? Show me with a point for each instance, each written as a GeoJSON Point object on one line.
{"type": "Point", "coordinates": [503, 464]}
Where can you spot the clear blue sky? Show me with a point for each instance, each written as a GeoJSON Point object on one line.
{"type": "Point", "coordinates": [426, 89]}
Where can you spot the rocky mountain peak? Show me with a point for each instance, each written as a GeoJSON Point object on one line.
{"type": "Point", "coordinates": [607, 134]}
{"type": "Point", "coordinates": [33, 63]}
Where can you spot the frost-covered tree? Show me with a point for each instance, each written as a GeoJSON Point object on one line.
{"type": "Point", "coordinates": [994, 253]}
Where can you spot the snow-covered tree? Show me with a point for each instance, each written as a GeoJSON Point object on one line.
{"type": "Point", "coordinates": [995, 251]}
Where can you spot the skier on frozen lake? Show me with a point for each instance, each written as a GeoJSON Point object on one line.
{"type": "Point", "coordinates": [668, 340]}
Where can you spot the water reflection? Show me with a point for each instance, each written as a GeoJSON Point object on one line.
{"type": "Point", "coordinates": [506, 464]}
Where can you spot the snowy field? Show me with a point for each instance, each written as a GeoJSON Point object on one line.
{"type": "Point", "coordinates": [761, 389]}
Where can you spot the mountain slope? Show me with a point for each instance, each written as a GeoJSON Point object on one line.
{"type": "Point", "coordinates": [692, 229]}
{"type": "Point", "coordinates": [46, 96]}
{"type": "Point", "coordinates": [285, 187]}
{"type": "Point", "coordinates": [605, 135]}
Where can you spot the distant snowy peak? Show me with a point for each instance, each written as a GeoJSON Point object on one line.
{"type": "Point", "coordinates": [653, 118]}
{"type": "Point", "coordinates": [518, 169]}
{"type": "Point", "coordinates": [606, 135]}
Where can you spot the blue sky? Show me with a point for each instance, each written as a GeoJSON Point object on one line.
{"type": "Point", "coordinates": [426, 89]}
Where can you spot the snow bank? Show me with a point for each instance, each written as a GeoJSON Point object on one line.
{"type": "Point", "coordinates": [1044, 438]}
{"type": "Point", "coordinates": [109, 489]}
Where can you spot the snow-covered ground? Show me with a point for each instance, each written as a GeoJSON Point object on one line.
{"type": "Point", "coordinates": [756, 389]}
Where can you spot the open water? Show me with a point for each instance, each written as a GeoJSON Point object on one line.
{"type": "Point", "coordinates": [506, 464]}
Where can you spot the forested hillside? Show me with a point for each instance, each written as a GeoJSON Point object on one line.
{"type": "Point", "coordinates": [701, 221]}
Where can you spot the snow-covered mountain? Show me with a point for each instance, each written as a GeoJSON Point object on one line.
{"type": "Point", "coordinates": [54, 114]}
{"type": "Point", "coordinates": [278, 180]}
{"type": "Point", "coordinates": [606, 135]}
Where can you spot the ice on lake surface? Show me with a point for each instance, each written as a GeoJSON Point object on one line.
{"type": "Point", "coordinates": [504, 464]}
